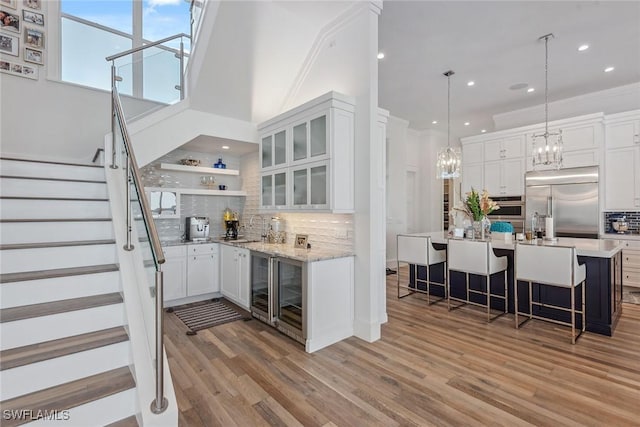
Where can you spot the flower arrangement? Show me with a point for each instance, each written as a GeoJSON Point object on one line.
{"type": "Point", "coordinates": [477, 205]}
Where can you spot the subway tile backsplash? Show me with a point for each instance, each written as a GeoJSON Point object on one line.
{"type": "Point", "coordinates": [633, 218]}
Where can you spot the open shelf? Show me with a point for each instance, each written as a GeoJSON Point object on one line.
{"type": "Point", "coordinates": [200, 191]}
{"type": "Point", "coordinates": [199, 169]}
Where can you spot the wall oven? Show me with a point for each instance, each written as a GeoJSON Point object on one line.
{"type": "Point", "coordinates": [512, 210]}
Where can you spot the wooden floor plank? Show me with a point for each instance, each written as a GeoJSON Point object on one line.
{"type": "Point", "coordinates": [431, 367]}
{"type": "Point", "coordinates": [55, 307]}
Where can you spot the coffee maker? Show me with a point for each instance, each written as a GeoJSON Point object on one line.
{"type": "Point", "coordinates": [197, 228]}
{"type": "Point", "coordinates": [231, 224]}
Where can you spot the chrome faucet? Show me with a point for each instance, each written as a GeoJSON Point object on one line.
{"type": "Point", "coordinates": [263, 230]}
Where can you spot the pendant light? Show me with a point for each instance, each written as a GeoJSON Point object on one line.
{"type": "Point", "coordinates": [547, 146]}
{"type": "Point", "coordinates": [448, 165]}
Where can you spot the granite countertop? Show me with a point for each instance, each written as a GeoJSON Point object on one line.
{"type": "Point", "coordinates": [282, 250]}
{"type": "Point", "coordinates": [619, 236]}
{"type": "Point", "coordinates": [599, 248]}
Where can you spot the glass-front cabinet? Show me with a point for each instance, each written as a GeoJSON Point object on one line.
{"type": "Point", "coordinates": [306, 149]}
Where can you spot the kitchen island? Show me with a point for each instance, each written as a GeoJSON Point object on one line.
{"type": "Point", "coordinates": [603, 259]}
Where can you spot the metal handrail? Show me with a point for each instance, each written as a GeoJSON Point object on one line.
{"type": "Point", "coordinates": [160, 402]}
{"type": "Point", "coordinates": [139, 48]}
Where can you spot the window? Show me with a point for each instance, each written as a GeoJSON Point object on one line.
{"type": "Point", "coordinates": [91, 30]}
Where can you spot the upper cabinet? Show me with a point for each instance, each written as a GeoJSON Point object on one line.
{"type": "Point", "coordinates": [504, 148]}
{"type": "Point", "coordinates": [307, 157]}
{"type": "Point", "coordinates": [622, 161]}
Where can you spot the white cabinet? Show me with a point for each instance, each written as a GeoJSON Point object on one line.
{"type": "Point", "coordinates": [504, 148]}
{"type": "Point", "coordinates": [202, 269]}
{"type": "Point", "coordinates": [622, 161]}
{"type": "Point", "coordinates": [473, 153]}
{"type": "Point", "coordinates": [234, 274]}
{"type": "Point", "coordinates": [472, 177]}
{"type": "Point", "coordinates": [631, 264]}
{"type": "Point", "coordinates": [307, 157]}
{"type": "Point", "coordinates": [174, 273]}
{"type": "Point", "coordinates": [504, 177]}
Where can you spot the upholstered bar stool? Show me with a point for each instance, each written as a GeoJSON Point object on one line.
{"type": "Point", "coordinates": [550, 266]}
{"type": "Point", "coordinates": [476, 257]}
{"type": "Point", "coordinates": [419, 251]}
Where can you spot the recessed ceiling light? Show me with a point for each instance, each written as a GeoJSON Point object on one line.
{"type": "Point", "coordinates": [531, 89]}
{"type": "Point", "coordinates": [483, 130]}
{"type": "Point", "coordinates": [609, 69]}
{"type": "Point", "coordinates": [467, 123]}
{"type": "Point", "coordinates": [435, 122]}
{"type": "Point", "coordinates": [471, 83]}
{"type": "Point", "coordinates": [583, 47]}
{"type": "Point", "coordinates": [380, 55]}
{"type": "Point", "coordinates": [225, 147]}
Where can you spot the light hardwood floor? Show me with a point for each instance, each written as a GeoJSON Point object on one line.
{"type": "Point", "coordinates": [431, 367]}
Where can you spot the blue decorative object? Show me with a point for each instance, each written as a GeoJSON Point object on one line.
{"type": "Point", "coordinates": [220, 165]}
{"type": "Point", "coordinates": [502, 227]}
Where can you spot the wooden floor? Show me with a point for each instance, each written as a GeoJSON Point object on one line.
{"type": "Point", "coordinates": [431, 367]}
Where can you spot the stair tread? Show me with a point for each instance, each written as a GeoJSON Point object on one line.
{"type": "Point", "coordinates": [20, 356]}
{"type": "Point", "coordinates": [71, 394]}
{"type": "Point", "coordinates": [39, 178]}
{"type": "Point", "coordinates": [55, 307]}
{"type": "Point", "coordinates": [56, 244]}
{"type": "Point", "coordinates": [16, 220]}
{"type": "Point", "coordinates": [131, 421]}
{"type": "Point", "coordinates": [58, 272]}
{"type": "Point", "coordinates": [83, 199]}
{"type": "Point", "coordinates": [51, 162]}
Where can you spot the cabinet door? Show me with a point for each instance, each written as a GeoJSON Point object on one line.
{"type": "Point", "coordinates": [300, 187]}
{"type": "Point", "coordinates": [266, 150]}
{"type": "Point", "coordinates": [318, 136]}
{"type": "Point", "coordinates": [174, 274]}
{"type": "Point", "coordinates": [493, 150]}
{"type": "Point", "coordinates": [266, 190]}
{"type": "Point", "coordinates": [300, 142]}
{"type": "Point", "coordinates": [319, 185]}
{"type": "Point", "coordinates": [229, 272]}
{"type": "Point", "coordinates": [473, 153]}
{"type": "Point", "coordinates": [513, 147]}
{"type": "Point", "coordinates": [624, 134]}
{"type": "Point", "coordinates": [579, 138]}
{"type": "Point", "coordinates": [472, 176]}
{"type": "Point", "coordinates": [492, 178]}
{"type": "Point", "coordinates": [244, 280]}
{"type": "Point", "coordinates": [280, 148]}
{"type": "Point", "coordinates": [280, 188]}
{"type": "Point", "coordinates": [621, 179]}
{"type": "Point", "coordinates": [200, 274]}
{"type": "Point", "coordinates": [513, 177]}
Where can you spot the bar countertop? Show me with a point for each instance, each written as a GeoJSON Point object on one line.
{"type": "Point", "coordinates": [598, 248]}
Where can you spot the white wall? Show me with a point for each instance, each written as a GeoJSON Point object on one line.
{"type": "Point", "coordinates": [55, 120]}
{"type": "Point", "coordinates": [344, 60]}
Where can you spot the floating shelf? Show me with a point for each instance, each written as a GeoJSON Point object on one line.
{"type": "Point", "coordinates": [200, 191]}
{"type": "Point", "coordinates": [199, 169]}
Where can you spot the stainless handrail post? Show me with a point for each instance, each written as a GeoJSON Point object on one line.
{"type": "Point", "coordinates": [128, 246]}
{"type": "Point", "coordinates": [181, 69]}
{"type": "Point", "coordinates": [113, 117]}
{"type": "Point", "coordinates": [160, 403]}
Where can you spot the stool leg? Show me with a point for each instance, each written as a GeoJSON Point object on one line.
{"type": "Point", "coordinates": [428, 288]}
{"type": "Point", "coordinates": [448, 288]}
{"type": "Point", "coordinates": [584, 315]}
{"type": "Point", "coordinates": [398, 281]}
{"type": "Point", "coordinates": [515, 301]}
{"type": "Point", "coordinates": [530, 301]}
{"type": "Point", "coordinates": [506, 292]}
{"type": "Point", "coordinates": [467, 284]}
{"type": "Point", "coordinates": [573, 315]}
{"type": "Point", "coordinates": [488, 289]}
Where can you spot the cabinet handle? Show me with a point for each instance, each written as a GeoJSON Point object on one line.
{"type": "Point", "coordinates": [636, 139]}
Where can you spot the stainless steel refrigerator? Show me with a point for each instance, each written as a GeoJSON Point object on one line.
{"type": "Point", "coordinates": [570, 196]}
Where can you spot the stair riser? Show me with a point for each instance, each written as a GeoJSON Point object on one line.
{"type": "Point", "coordinates": [48, 170]}
{"type": "Point", "coordinates": [28, 292]}
{"type": "Point", "coordinates": [41, 232]}
{"type": "Point", "coordinates": [35, 209]}
{"type": "Point", "coordinates": [48, 373]}
{"type": "Point", "coordinates": [40, 188]}
{"type": "Point", "coordinates": [20, 260]}
{"type": "Point", "coordinates": [97, 413]}
{"type": "Point", "coordinates": [46, 328]}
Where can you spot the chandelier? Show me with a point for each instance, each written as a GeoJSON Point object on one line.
{"type": "Point", "coordinates": [547, 146]}
{"type": "Point", "coordinates": [448, 164]}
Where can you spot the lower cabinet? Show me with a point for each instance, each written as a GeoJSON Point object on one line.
{"type": "Point", "coordinates": [190, 271]}
{"type": "Point", "coordinates": [234, 274]}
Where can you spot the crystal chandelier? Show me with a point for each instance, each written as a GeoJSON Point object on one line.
{"type": "Point", "coordinates": [549, 151]}
{"type": "Point", "coordinates": [448, 165]}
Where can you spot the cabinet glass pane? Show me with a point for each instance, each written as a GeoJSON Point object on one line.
{"type": "Point", "coordinates": [300, 141]}
{"type": "Point", "coordinates": [280, 182]}
{"type": "Point", "coordinates": [260, 283]}
{"type": "Point", "coordinates": [280, 142]}
{"type": "Point", "coordinates": [300, 187]}
{"type": "Point", "coordinates": [319, 185]}
{"type": "Point", "coordinates": [267, 191]}
{"type": "Point", "coordinates": [319, 136]}
{"type": "Point", "coordinates": [266, 152]}
{"type": "Point", "coordinates": [290, 294]}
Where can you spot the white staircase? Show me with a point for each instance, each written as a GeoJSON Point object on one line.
{"type": "Point", "coordinates": [63, 342]}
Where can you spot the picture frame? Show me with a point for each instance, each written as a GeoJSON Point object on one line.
{"type": "Point", "coordinates": [34, 56]}
{"type": "Point", "coordinates": [33, 4]}
{"type": "Point", "coordinates": [34, 38]}
{"type": "Point", "coordinates": [9, 44]}
{"type": "Point", "coordinates": [9, 21]}
{"type": "Point", "coordinates": [9, 3]}
{"type": "Point", "coordinates": [20, 70]}
{"type": "Point", "coordinates": [301, 241]}
{"type": "Point", "coordinates": [33, 17]}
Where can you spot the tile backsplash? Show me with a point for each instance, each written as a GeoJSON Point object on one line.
{"type": "Point", "coordinates": [633, 218]}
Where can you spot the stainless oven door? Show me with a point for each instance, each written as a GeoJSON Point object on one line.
{"type": "Point", "coordinates": [290, 279]}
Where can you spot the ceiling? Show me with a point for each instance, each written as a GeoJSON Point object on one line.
{"type": "Point", "coordinates": [495, 45]}
{"type": "Point", "coordinates": [212, 144]}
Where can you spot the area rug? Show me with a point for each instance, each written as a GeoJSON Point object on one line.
{"type": "Point", "coordinates": [632, 296]}
{"type": "Point", "coordinates": [207, 315]}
